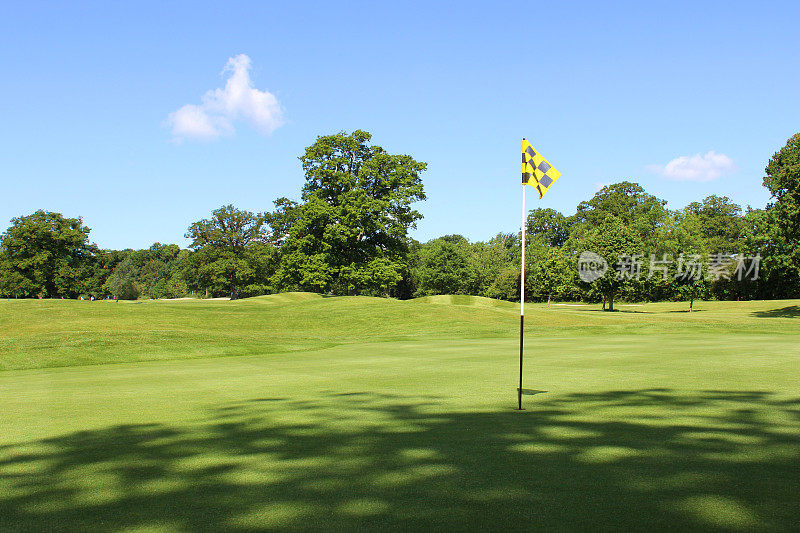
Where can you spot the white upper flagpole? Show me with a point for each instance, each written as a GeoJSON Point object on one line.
{"type": "Point", "coordinates": [522, 269]}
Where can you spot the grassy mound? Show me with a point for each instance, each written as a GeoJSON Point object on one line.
{"type": "Point", "coordinates": [48, 333]}
{"type": "Point", "coordinates": [469, 301]}
{"type": "Point", "coordinates": [284, 298]}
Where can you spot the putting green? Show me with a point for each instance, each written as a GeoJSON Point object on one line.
{"type": "Point", "coordinates": [350, 413]}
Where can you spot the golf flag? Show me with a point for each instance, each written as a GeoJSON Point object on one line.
{"type": "Point", "coordinates": [536, 171]}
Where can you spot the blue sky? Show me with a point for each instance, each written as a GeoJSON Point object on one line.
{"type": "Point", "coordinates": [606, 91]}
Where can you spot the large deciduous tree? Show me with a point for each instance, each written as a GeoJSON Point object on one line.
{"type": "Point", "coordinates": [444, 266]}
{"type": "Point", "coordinates": [783, 218]}
{"type": "Point", "coordinates": [122, 282]}
{"type": "Point", "coordinates": [681, 241]}
{"type": "Point", "coordinates": [228, 244]}
{"type": "Point", "coordinates": [349, 234]}
{"type": "Point", "coordinates": [783, 181]}
{"type": "Point", "coordinates": [551, 276]}
{"type": "Point", "coordinates": [720, 223]}
{"type": "Point", "coordinates": [45, 254]}
{"type": "Point", "coordinates": [620, 223]}
{"type": "Point", "coordinates": [549, 226]}
{"type": "Point", "coordinates": [631, 205]}
{"type": "Point", "coordinates": [616, 243]}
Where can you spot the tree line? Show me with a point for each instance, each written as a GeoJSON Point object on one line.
{"type": "Point", "coordinates": [348, 234]}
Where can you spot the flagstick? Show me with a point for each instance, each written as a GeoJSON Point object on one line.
{"type": "Point", "coordinates": [521, 302]}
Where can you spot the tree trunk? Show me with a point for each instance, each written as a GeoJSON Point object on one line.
{"type": "Point", "coordinates": [691, 303]}
{"type": "Point", "coordinates": [611, 302]}
{"type": "Point", "coordinates": [604, 302]}
{"type": "Point", "coordinates": [548, 300]}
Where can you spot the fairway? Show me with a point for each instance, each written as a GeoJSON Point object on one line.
{"type": "Point", "coordinates": [296, 411]}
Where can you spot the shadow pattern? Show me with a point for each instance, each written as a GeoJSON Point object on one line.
{"type": "Point", "coordinates": [651, 459]}
{"type": "Point", "coordinates": [790, 311]}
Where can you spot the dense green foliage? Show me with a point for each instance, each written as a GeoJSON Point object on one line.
{"type": "Point", "coordinates": [779, 229]}
{"type": "Point", "coordinates": [231, 253]}
{"type": "Point", "coordinates": [45, 254]}
{"type": "Point", "coordinates": [348, 235]}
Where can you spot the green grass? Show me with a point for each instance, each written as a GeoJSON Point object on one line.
{"type": "Point", "coordinates": [300, 412]}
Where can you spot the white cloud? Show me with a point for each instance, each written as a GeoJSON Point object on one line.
{"type": "Point", "coordinates": [695, 168]}
{"type": "Point", "coordinates": [221, 108]}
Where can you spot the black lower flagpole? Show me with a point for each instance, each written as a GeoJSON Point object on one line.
{"type": "Point", "coordinates": [519, 391]}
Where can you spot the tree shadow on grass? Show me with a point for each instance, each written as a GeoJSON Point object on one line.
{"type": "Point", "coordinates": [791, 311]}
{"type": "Point", "coordinates": [638, 459]}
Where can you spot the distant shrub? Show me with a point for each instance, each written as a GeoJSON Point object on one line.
{"type": "Point", "coordinates": [122, 282]}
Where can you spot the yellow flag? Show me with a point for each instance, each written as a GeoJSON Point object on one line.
{"type": "Point", "coordinates": [536, 171]}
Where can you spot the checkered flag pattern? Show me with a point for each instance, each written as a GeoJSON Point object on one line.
{"type": "Point", "coordinates": [536, 171]}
